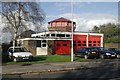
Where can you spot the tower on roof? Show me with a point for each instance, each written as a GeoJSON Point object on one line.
{"type": "Point", "coordinates": [61, 24]}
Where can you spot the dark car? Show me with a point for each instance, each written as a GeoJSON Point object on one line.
{"type": "Point", "coordinates": [87, 52]}
{"type": "Point", "coordinates": [105, 53]}
{"type": "Point", "coordinates": [117, 51]}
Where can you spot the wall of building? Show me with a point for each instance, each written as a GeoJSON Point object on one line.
{"type": "Point", "coordinates": [30, 45]}
{"type": "Point", "coordinates": [51, 47]}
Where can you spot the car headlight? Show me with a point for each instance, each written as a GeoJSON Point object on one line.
{"type": "Point", "coordinates": [108, 54]}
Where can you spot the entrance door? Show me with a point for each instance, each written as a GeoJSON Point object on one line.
{"type": "Point", "coordinates": [41, 47]}
{"type": "Point", "coordinates": [62, 47]}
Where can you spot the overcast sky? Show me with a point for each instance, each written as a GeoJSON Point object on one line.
{"type": "Point", "coordinates": [85, 14]}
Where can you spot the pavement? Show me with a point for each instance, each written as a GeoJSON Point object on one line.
{"type": "Point", "coordinates": [47, 67]}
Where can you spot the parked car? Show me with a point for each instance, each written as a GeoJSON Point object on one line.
{"type": "Point", "coordinates": [87, 52]}
{"type": "Point", "coordinates": [105, 53]}
{"type": "Point", "coordinates": [19, 54]}
{"type": "Point", "coordinates": [117, 51]}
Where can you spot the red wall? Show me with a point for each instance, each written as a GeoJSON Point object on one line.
{"type": "Point", "coordinates": [62, 47]}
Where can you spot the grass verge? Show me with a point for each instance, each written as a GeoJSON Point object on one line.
{"type": "Point", "coordinates": [49, 58]}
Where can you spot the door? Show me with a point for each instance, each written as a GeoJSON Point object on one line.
{"type": "Point", "coordinates": [62, 47]}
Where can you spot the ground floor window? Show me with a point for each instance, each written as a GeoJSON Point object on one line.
{"type": "Point", "coordinates": [38, 43]}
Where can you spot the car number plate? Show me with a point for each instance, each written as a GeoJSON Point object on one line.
{"type": "Point", "coordinates": [93, 52]}
{"type": "Point", "coordinates": [112, 55]}
{"type": "Point", "coordinates": [25, 58]}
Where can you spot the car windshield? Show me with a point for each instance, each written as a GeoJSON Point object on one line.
{"type": "Point", "coordinates": [106, 49]}
{"type": "Point", "coordinates": [19, 50]}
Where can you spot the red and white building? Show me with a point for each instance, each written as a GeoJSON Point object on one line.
{"type": "Point", "coordinates": [58, 39]}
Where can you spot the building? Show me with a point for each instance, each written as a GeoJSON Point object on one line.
{"type": "Point", "coordinates": [58, 41]}
{"type": "Point", "coordinates": [61, 24]}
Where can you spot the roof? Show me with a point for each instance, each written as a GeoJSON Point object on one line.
{"type": "Point", "coordinates": [27, 34]}
{"type": "Point", "coordinates": [61, 19]}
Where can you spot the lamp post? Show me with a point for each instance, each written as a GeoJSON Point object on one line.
{"type": "Point", "coordinates": [72, 31]}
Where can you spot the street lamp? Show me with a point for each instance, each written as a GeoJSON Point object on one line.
{"type": "Point", "coordinates": [72, 31]}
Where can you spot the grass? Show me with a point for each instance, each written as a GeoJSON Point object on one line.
{"type": "Point", "coordinates": [49, 58]}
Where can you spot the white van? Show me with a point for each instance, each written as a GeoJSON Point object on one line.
{"type": "Point", "coordinates": [20, 53]}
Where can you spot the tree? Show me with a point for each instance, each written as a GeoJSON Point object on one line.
{"type": "Point", "coordinates": [17, 14]}
{"type": "Point", "coordinates": [111, 32]}
{"type": "Point", "coordinates": [95, 29]}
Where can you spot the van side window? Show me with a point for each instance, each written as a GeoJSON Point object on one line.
{"type": "Point", "coordinates": [11, 50]}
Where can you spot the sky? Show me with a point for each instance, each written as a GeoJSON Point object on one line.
{"type": "Point", "coordinates": [85, 14]}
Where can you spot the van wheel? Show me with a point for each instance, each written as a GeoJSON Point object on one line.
{"type": "Point", "coordinates": [102, 56]}
{"type": "Point", "coordinates": [118, 56]}
{"type": "Point", "coordinates": [86, 56]}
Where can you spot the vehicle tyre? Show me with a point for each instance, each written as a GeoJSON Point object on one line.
{"type": "Point", "coordinates": [86, 56]}
{"type": "Point", "coordinates": [10, 57]}
{"type": "Point", "coordinates": [102, 56]}
{"type": "Point", "coordinates": [118, 56]}
{"type": "Point", "coordinates": [15, 59]}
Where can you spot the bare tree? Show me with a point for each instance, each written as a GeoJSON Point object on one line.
{"type": "Point", "coordinates": [17, 14]}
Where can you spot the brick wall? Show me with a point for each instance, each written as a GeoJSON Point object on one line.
{"type": "Point", "coordinates": [112, 45]}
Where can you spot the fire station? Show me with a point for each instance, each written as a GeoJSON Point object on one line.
{"type": "Point", "coordinates": [58, 39]}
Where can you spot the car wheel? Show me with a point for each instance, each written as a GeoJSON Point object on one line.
{"type": "Point", "coordinates": [15, 59]}
{"type": "Point", "coordinates": [86, 56]}
{"type": "Point", "coordinates": [118, 56]}
{"type": "Point", "coordinates": [102, 56]}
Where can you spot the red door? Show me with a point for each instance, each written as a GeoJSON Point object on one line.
{"type": "Point", "coordinates": [62, 47]}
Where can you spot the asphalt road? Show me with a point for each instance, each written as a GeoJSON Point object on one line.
{"type": "Point", "coordinates": [110, 70]}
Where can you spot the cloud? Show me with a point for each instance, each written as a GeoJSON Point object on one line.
{"type": "Point", "coordinates": [86, 21]}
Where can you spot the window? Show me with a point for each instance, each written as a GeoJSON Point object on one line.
{"type": "Point", "coordinates": [84, 41]}
{"type": "Point", "coordinates": [47, 35]}
{"type": "Point", "coordinates": [84, 44]}
{"type": "Point", "coordinates": [94, 44]}
{"type": "Point", "coordinates": [64, 44]}
{"type": "Point", "coordinates": [38, 44]}
{"type": "Point", "coordinates": [79, 44]}
{"type": "Point", "coordinates": [90, 41]}
{"type": "Point", "coordinates": [67, 35]}
{"type": "Point", "coordinates": [43, 45]}
{"type": "Point", "coordinates": [60, 35]}
{"type": "Point", "coordinates": [79, 41]}
{"type": "Point", "coordinates": [98, 44]}
{"type": "Point", "coordinates": [90, 44]}
{"type": "Point", "coordinates": [98, 41]}
{"type": "Point", "coordinates": [58, 44]}
{"type": "Point", "coordinates": [52, 34]}
{"type": "Point", "coordinates": [37, 36]}
{"type": "Point", "coordinates": [94, 41]}
{"type": "Point", "coordinates": [44, 41]}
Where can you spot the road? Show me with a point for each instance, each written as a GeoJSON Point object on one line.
{"type": "Point", "coordinates": [109, 70]}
